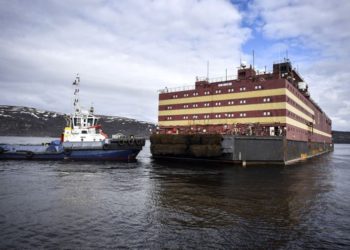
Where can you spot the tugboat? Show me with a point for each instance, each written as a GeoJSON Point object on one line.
{"type": "Point", "coordinates": [82, 139]}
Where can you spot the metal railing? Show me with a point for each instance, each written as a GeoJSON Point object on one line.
{"type": "Point", "coordinates": [176, 89]}
{"type": "Point", "coordinates": [198, 79]}
{"type": "Point", "coordinates": [217, 79]}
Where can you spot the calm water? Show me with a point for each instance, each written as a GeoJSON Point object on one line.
{"type": "Point", "coordinates": [175, 205]}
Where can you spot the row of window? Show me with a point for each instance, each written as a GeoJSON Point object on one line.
{"type": "Point", "coordinates": [224, 84]}
{"type": "Point", "coordinates": [208, 116]}
{"type": "Point", "coordinates": [297, 130]}
{"type": "Point", "coordinates": [301, 97]}
{"type": "Point", "coordinates": [207, 104]}
{"type": "Point", "coordinates": [218, 91]}
{"type": "Point", "coordinates": [291, 101]}
{"type": "Point", "coordinates": [295, 117]}
{"type": "Point", "coordinates": [296, 92]}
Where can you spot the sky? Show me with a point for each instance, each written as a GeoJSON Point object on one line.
{"type": "Point", "coordinates": [127, 50]}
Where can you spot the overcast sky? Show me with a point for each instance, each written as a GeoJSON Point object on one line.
{"type": "Point", "coordinates": [126, 50]}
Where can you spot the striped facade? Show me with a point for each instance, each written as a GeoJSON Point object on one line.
{"type": "Point", "coordinates": [253, 104]}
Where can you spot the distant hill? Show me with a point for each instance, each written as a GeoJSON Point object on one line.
{"type": "Point", "coordinates": [341, 137]}
{"type": "Point", "coordinates": [25, 121]}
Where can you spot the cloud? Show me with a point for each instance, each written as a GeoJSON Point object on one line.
{"type": "Point", "coordinates": [124, 51]}
{"type": "Point", "coordinates": [315, 32]}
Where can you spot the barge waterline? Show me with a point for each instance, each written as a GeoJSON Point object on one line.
{"type": "Point", "coordinates": [233, 149]}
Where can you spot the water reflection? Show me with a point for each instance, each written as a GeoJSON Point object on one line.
{"type": "Point", "coordinates": [268, 205]}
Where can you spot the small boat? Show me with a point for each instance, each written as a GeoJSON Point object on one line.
{"type": "Point", "coordinates": [82, 139]}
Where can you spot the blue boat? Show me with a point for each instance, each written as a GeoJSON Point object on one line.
{"type": "Point", "coordinates": [82, 139]}
{"type": "Point", "coordinates": [122, 149]}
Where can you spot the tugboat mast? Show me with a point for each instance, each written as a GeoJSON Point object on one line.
{"type": "Point", "coordinates": [76, 104]}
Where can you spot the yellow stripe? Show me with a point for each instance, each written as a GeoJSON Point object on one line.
{"type": "Point", "coordinates": [300, 102]}
{"type": "Point", "coordinates": [322, 133]}
{"type": "Point", "coordinates": [221, 97]}
{"type": "Point", "coordinates": [274, 119]}
{"type": "Point", "coordinates": [299, 113]}
{"type": "Point", "coordinates": [223, 109]}
{"type": "Point", "coordinates": [305, 127]}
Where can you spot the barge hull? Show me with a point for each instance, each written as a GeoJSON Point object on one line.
{"type": "Point", "coordinates": [235, 149]}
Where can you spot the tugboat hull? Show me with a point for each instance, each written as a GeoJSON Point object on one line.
{"type": "Point", "coordinates": [127, 155]}
{"type": "Point", "coordinates": [31, 156]}
{"type": "Point", "coordinates": [92, 151]}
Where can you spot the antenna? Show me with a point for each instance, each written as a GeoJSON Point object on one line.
{"type": "Point", "coordinates": [240, 59]}
{"type": "Point", "coordinates": [92, 108]}
{"type": "Point", "coordinates": [68, 121]}
{"type": "Point", "coordinates": [287, 54]}
{"type": "Point", "coordinates": [280, 55]}
{"type": "Point", "coordinates": [208, 70]}
{"type": "Point", "coordinates": [76, 94]}
{"type": "Point", "coordinates": [253, 59]}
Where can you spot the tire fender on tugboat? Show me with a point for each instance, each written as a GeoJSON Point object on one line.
{"type": "Point", "coordinates": [29, 155]}
{"type": "Point", "coordinates": [67, 151]}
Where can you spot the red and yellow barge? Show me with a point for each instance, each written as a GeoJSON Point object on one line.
{"type": "Point", "coordinates": [259, 117]}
